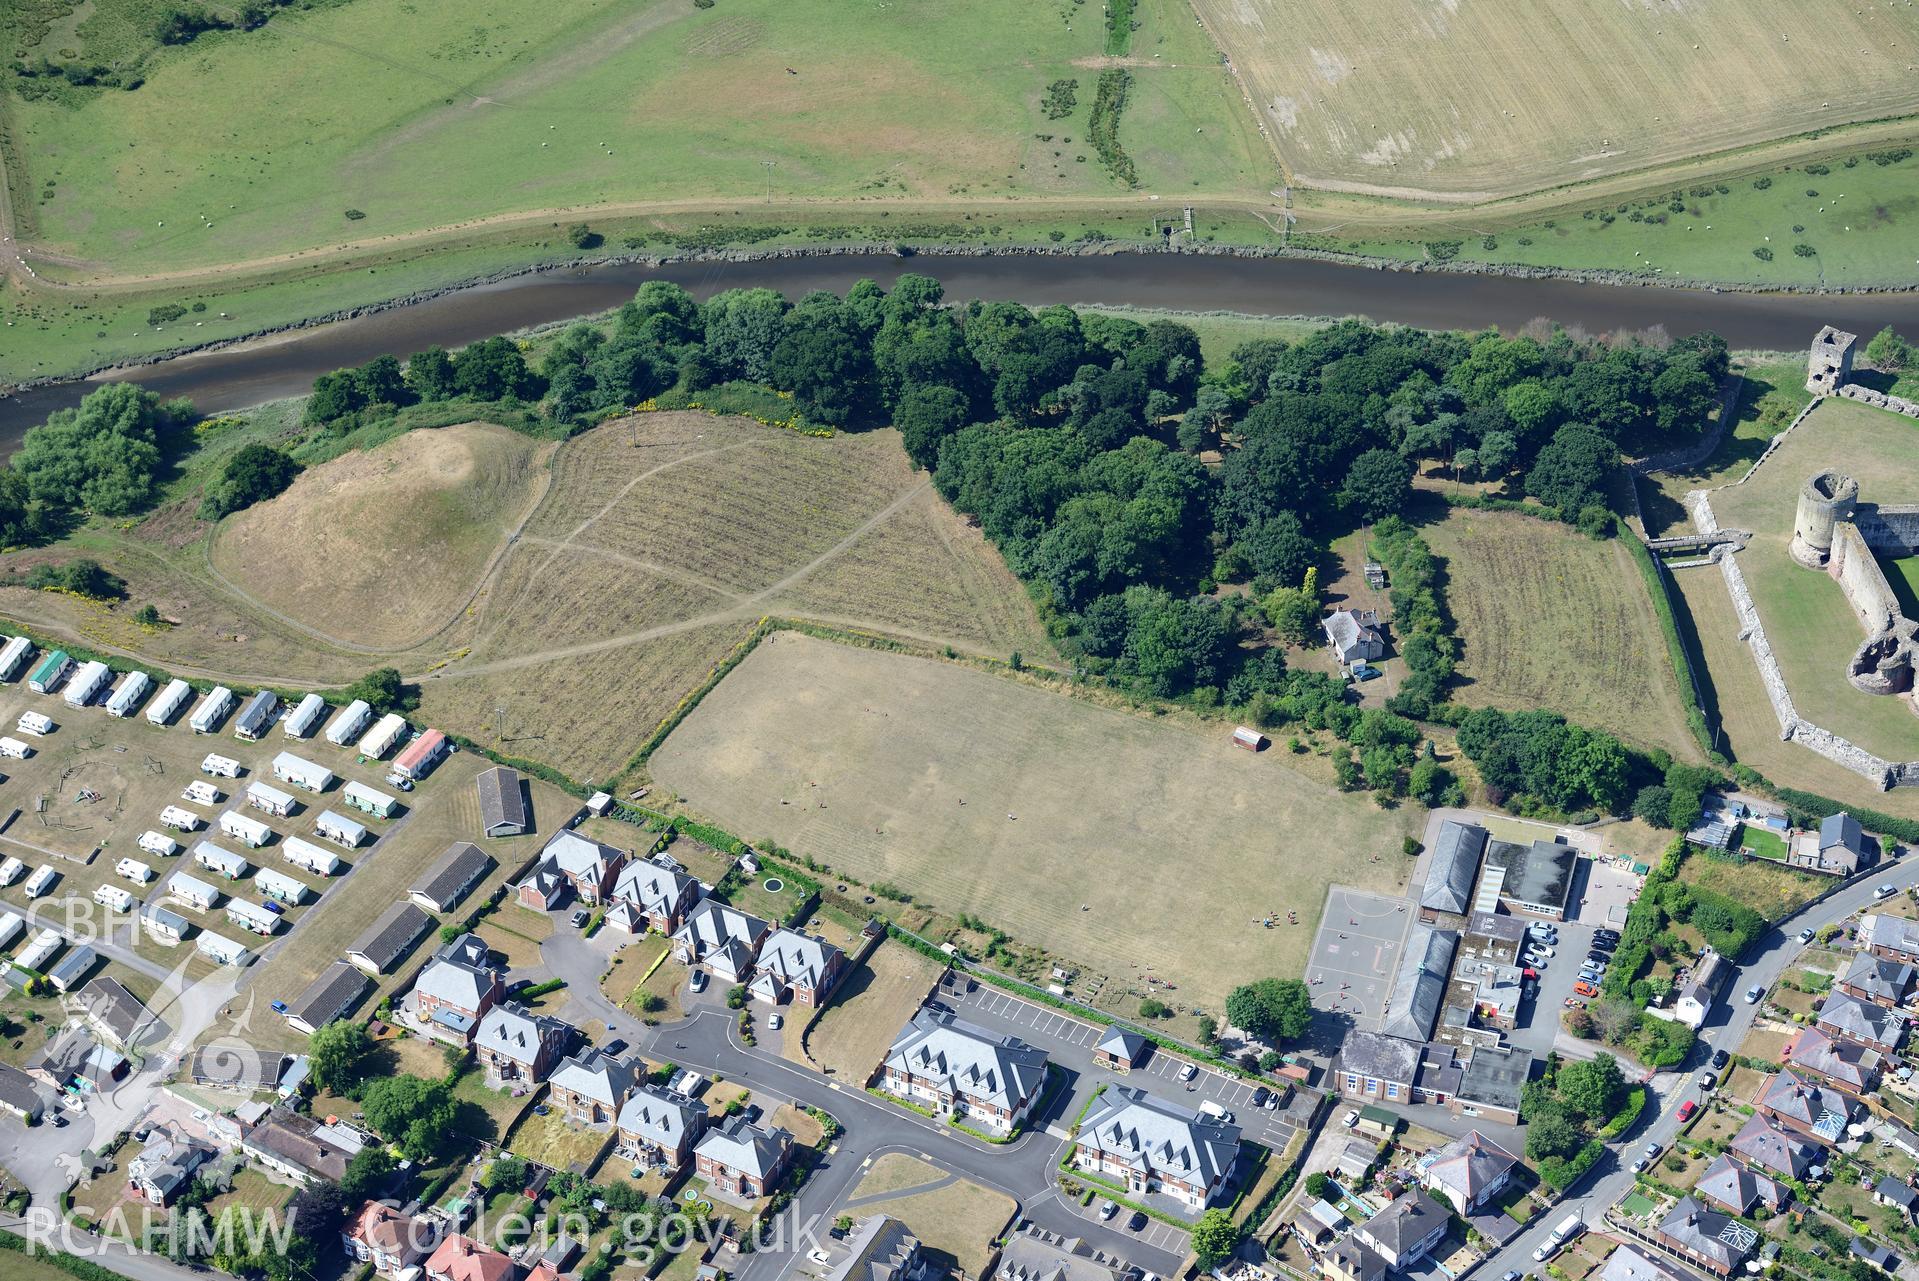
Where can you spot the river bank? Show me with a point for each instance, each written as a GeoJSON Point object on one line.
{"type": "Point", "coordinates": [282, 360]}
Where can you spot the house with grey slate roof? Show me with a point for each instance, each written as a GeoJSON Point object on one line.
{"type": "Point", "coordinates": [452, 996]}
{"type": "Point", "coordinates": [18, 1094]}
{"type": "Point", "coordinates": [1406, 1230]}
{"type": "Point", "coordinates": [1153, 1146]}
{"type": "Point", "coordinates": [1892, 938]}
{"type": "Point", "coordinates": [516, 1045]}
{"type": "Point", "coordinates": [1470, 1172]}
{"type": "Point", "coordinates": [1770, 1146]}
{"type": "Point", "coordinates": [120, 1017]}
{"type": "Point", "coordinates": [720, 937]}
{"type": "Point", "coordinates": [1420, 986]}
{"type": "Point", "coordinates": [659, 1127]}
{"type": "Point", "coordinates": [1452, 869]}
{"type": "Point", "coordinates": [942, 1062]}
{"type": "Point", "coordinates": [1355, 635]}
{"type": "Point", "coordinates": [1351, 1259]}
{"type": "Point", "coordinates": [590, 1087]}
{"type": "Point", "coordinates": [742, 1160]}
{"type": "Point", "coordinates": [1839, 848]}
{"type": "Point", "coordinates": [1031, 1253]}
{"type": "Point", "coordinates": [1880, 981]}
{"type": "Point", "coordinates": [877, 1248]}
{"type": "Point", "coordinates": [1815, 1110]}
{"type": "Point", "coordinates": [797, 967]}
{"type": "Point", "coordinates": [1710, 1239]}
{"type": "Point", "coordinates": [1873, 1026]}
{"type": "Point", "coordinates": [1739, 1190]}
{"type": "Point", "coordinates": [1847, 1065]}
{"type": "Point", "coordinates": [658, 896]}
{"type": "Point", "coordinates": [571, 864]}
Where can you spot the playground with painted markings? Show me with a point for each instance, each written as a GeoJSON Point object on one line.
{"type": "Point", "coordinates": [1350, 971]}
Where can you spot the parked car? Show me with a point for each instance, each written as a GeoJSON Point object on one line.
{"type": "Point", "coordinates": [1754, 992]}
{"type": "Point", "coordinates": [1188, 1072]}
{"type": "Point", "coordinates": [1585, 988]}
{"type": "Point", "coordinates": [1574, 1003]}
{"type": "Point", "coordinates": [1350, 1119]}
{"type": "Point", "coordinates": [1653, 1150]}
{"type": "Point", "coordinates": [1108, 1209]}
{"type": "Point", "coordinates": [1548, 950]}
{"type": "Point", "coordinates": [1720, 1058]}
{"type": "Point", "coordinates": [279, 1007]}
{"type": "Point", "coordinates": [1886, 891]}
{"type": "Point", "coordinates": [273, 907]}
{"type": "Point", "coordinates": [698, 981]}
{"type": "Point", "coordinates": [1639, 1166]}
{"type": "Point", "coordinates": [1707, 1080]}
{"type": "Point", "coordinates": [1260, 1096]}
{"type": "Point", "coordinates": [1805, 935]}
{"type": "Point", "coordinates": [578, 918]}
{"type": "Point", "coordinates": [1137, 1222]}
{"type": "Point", "coordinates": [1686, 1111]}
{"type": "Point", "coordinates": [1591, 975]}
{"type": "Point", "coordinates": [775, 1021]}
{"type": "Point", "coordinates": [1598, 960]}
{"type": "Point", "coordinates": [1365, 672]}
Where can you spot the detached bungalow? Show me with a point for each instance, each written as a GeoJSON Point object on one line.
{"type": "Point", "coordinates": [1738, 1190]}
{"type": "Point", "coordinates": [502, 802]}
{"type": "Point", "coordinates": [452, 876]}
{"type": "Point", "coordinates": [331, 996]}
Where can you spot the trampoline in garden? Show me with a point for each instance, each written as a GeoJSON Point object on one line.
{"type": "Point", "coordinates": [773, 884]}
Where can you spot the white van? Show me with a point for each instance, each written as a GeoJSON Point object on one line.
{"type": "Point", "coordinates": [1569, 1227]}
{"type": "Point", "coordinates": [1213, 1109]}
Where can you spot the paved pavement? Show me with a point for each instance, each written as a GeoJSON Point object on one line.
{"type": "Point", "coordinates": [1726, 1027]}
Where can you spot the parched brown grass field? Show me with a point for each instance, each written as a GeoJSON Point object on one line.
{"type": "Point", "coordinates": [1365, 96]}
{"type": "Point", "coordinates": [429, 509]}
{"type": "Point", "coordinates": [1549, 618]}
{"type": "Point", "coordinates": [1085, 829]}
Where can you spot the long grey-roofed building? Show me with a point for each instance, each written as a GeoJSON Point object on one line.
{"type": "Point", "coordinates": [1453, 868]}
{"type": "Point", "coordinates": [1157, 1146]}
{"type": "Point", "coordinates": [339, 988]}
{"type": "Point", "coordinates": [1536, 878]}
{"type": "Point", "coordinates": [389, 938]}
{"type": "Point", "coordinates": [502, 802]}
{"type": "Point", "coordinates": [452, 875]}
{"type": "Point", "coordinates": [1420, 987]}
{"type": "Point", "coordinates": [121, 1016]}
{"type": "Point", "coordinates": [1032, 1253]}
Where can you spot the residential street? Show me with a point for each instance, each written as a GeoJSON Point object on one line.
{"type": "Point", "coordinates": [1725, 1028]}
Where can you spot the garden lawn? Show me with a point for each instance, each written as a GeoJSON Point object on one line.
{"type": "Point", "coordinates": [555, 1142]}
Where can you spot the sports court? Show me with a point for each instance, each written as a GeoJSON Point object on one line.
{"type": "Point", "coordinates": [1350, 971]}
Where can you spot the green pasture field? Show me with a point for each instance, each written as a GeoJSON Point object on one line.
{"type": "Point", "coordinates": [1861, 225]}
{"type": "Point", "coordinates": [1811, 627]}
{"type": "Point", "coordinates": [1772, 392]}
{"type": "Point", "coordinates": [422, 116]}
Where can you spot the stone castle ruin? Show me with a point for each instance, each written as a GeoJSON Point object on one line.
{"type": "Point", "coordinates": [1834, 531]}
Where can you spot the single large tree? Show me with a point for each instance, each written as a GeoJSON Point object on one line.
{"type": "Point", "coordinates": [1215, 1237]}
{"type": "Point", "coordinates": [336, 1054]}
{"type": "Point", "coordinates": [1592, 1088]}
{"type": "Point", "coordinates": [414, 1114]}
{"type": "Point", "coordinates": [1271, 1009]}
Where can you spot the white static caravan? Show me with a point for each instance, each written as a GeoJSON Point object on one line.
{"type": "Point", "coordinates": [163, 923]}
{"type": "Point", "coordinates": [220, 766]}
{"type": "Point", "coordinates": [301, 721]}
{"type": "Point", "coordinates": [368, 800]}
{"type": "Point", "coordinates": [270, 800]}
{"type": "Point", "coordinates": [348, 722]}
{"type": "Point", "coordinates": [193, 890]}
{"type": "Point", "coordinates": [301, 772]}
{"type": "Point", "coordinates": [339, 828]}
{"type": "Point", "coordinates": [14, 749]}
{"type": "Point", "coordinates": [221, 950]}
{"type": "Point", "coordinates": [114, 897]}
{"type": "Point", "coordinates": [165, 707]}
{"type": "Point", "coordinates": [127, 694]}
{"type": "Point", "coordinates": [44, 947]}
{"type": "Point", "coordinates": [12, 926]}
{"type": "Point", "coordinates": [38, 724]}
{"type": "Point", "coordinates": [304, 853]}
{"type": "Point", "coordinates": [134, 870]}
{"type": "Point", "coordinates": [201, 792]}
{"type": "Point", "coordinates": [12, 870]}
{"type": "Point", "coordinates": [248, 831]}
{"type": "Point", "coordinates": [256, 718]}
{"type": "Point", "coordinates": [159, 843]}
{"type": "Point", "coordinates": [212, 710]}
{"type": "Point", "coordinates": [40, 884]}
{"type": "Point", "coordinates": [88, 681]}
{"type": "Point", "coordinates": [13, 655]}
{"type": "Point", "coordinates": [180, 820]}
{"type": "Point", "coordinates": [386, 731]}
{"type": "Point", "coordinates": [221, 862]}
{"type": "Point", "coordinates": [281, 886]}
{"type": "Point", "coordinates": [252, 917]}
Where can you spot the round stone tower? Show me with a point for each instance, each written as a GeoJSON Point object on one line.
{"type": "Point", "coordinates": [1824, 500]}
